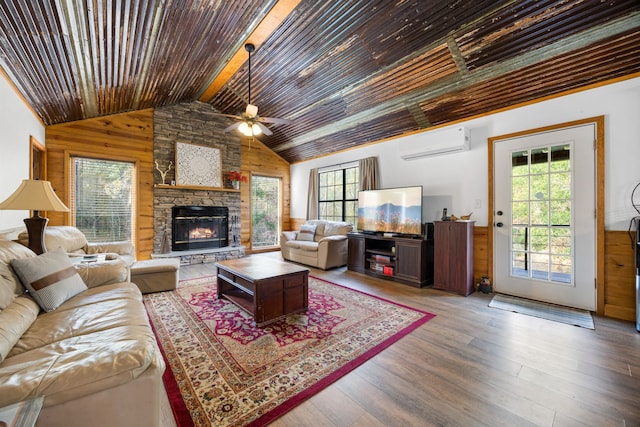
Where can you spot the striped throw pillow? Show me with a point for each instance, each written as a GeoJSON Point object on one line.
{"type": "Point", "coordinates": [307, 232]}
{"type": "Point", "coordinates": [50, 278]}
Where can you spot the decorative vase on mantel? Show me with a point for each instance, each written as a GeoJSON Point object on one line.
{"type": "Point", "coordinates": [235, 177]}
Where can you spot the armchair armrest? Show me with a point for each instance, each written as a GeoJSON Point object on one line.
{"type": "Point", "coordinates": [103, 273]}
{"type": "Point", "coordinates": [334, 238]}
{"type": "Point", "coordinates": [120, 248]}
{"type": "Point", "coordinates": [289, 235]}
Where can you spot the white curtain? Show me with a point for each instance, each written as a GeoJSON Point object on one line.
{"type": "Point", "coordinates": [312, 195]}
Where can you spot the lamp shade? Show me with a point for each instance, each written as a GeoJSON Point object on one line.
{"type": "Point", "coordinates": [34, 195]}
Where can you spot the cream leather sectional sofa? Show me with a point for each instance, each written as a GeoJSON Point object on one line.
{"type": "Point", "coordinates": [94, 356]}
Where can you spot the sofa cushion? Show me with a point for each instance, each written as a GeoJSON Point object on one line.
{"type": "Point", "coordinates": [303, 245]}
{"type": "Point", "coordinates": [10, 284]}
{"type": "Point", "coordinates": [50, 278]}
{"type": "Point", "coordinates": [337, 228]}
{"type": "Point", "coordinates": [67, 237]}
{"type": "Point", "coordinates": [14, 321]}
{"type": "Point", "coordinates": [96, 340]}
{"type": "Point", "coordinates": [307, 233]}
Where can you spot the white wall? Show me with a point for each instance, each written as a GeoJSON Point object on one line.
{"type": "Point", "coordinates": [459, 181]}
{"type": "Point", "coordinates": [18, 123]}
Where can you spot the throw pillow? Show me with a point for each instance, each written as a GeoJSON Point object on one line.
{"type": "Point", "coordinates": [307, 232]}
{"type": "Point", "coordinates": [50, 278]}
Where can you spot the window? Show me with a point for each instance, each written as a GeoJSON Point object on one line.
{"type": "Point", "coordinates": [265, 211]}
{"type": "Point", "coordinates": [103, 201]}
{"type": "Point", "coordinates": [338, 194]}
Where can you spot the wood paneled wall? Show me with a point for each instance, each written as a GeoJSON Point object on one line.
{"type": "Point", "coordinates": [620, 276]}
{"type": "Point", "coordinates": [127, 136]}
{"type": "Point", "coordinates": [257, 159]}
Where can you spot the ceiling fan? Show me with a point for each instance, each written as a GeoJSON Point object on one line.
{"type": "Point", "coordinates": [250, 123]}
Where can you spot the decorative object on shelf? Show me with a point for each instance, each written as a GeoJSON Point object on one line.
{"type": "Point", "coordinates": [35, 195]}
{"type": "Point", "coordinates": [466, 217]}
{"type": "Point", "coordinates": [236, 178]}
{"type": "Point", "coordinates": [163, 174]}
{"type": "Point", "coordinates": [197, 165]}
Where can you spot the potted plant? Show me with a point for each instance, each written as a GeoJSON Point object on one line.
{"type": "Point", "coordinates": [236, 178]}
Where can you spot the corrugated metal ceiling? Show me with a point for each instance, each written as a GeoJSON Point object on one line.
{"type": "Point", "coordinates": [346, 72]}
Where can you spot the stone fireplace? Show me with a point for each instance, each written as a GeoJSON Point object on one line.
{"type": "Point", "coordinates": [199, 227]}
{"type": "Point", "coordinates": [193, 123]}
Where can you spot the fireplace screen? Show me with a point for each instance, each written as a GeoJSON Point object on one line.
{"type": "Point", "coordinates": [199, 227]}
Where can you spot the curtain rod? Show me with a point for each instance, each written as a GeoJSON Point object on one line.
{"type": "Point", "coordinates": [339, 165]}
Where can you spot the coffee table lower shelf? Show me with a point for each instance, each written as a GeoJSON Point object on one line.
{"type": "Point", "coordinates": [240, 298]}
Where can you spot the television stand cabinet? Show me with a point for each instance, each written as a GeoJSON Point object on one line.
{"type": "Point", "coordinates": [401, 259]}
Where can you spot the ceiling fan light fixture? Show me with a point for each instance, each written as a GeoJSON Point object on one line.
{"type": "Point", "coordinates": [244, 129]}
{"type": "Point", "coordinates": [252, 110]}
{"type": "Point", "coordinates": [255, 129]}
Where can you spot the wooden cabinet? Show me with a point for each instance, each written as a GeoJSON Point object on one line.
{"type": "Point", "coordinates": [453, 256]}
{"type": "Point", "coordinates": [355, 252]}
{"type": "Point", "coordinates": [405, 260]}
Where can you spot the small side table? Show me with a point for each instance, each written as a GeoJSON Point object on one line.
{"type": "Point", "coordinates": [21, 414]}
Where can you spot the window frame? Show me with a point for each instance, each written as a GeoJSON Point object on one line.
{"type": "Point", "coordinates": [69, 178]}
{"type": "Point", "coordinates": [280, 180]}
{"type": "Point", "coordinates": [343, 199]}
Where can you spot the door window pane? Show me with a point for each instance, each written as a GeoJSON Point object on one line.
{"type": "Point", "coordinates": [265, 211]}
{"type": "Point", "coordinates": [542, 237]}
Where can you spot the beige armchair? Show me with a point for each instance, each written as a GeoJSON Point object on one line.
{"type": "Point", "coordinates": [318, 243]}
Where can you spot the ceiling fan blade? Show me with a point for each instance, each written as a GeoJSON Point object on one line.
{"type": "Point", "coordinates": [232, 127]}
{"type": "Point", "coordinates": [265, 130]}
{"type": "Point", "coordinates": [274, 120]}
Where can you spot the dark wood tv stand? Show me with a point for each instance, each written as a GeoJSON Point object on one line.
{"type": "Point", "coordinates": [402, 259]}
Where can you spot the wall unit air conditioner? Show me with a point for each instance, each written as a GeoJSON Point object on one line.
{"type": "Point", "coordinates": [443, 141]}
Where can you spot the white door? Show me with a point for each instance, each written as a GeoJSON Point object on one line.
{"type": "Point", "coordinates": [544, 223]}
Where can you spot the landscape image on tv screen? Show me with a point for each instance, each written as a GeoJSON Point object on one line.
{"type": "Point", "coordinates": [392, 210]}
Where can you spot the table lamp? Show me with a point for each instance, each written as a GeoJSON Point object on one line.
{"type": "Point", "coordinates": [35, 195]}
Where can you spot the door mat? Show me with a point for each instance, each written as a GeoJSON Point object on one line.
{"type": "Point", "coordinates": [543, 310]}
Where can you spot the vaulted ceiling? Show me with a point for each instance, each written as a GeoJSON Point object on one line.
{"type": "Point", "coordinates": [345, 72]}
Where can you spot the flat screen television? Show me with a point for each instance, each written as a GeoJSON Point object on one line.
{"type": "Point", "coordinates": [391, 210]}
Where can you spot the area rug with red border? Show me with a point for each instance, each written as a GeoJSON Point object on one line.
{"type": "Point", "coordinates": [223, 371]}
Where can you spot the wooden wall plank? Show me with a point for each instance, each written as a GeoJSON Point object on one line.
{"type": "Point", "coordinates": [127, 135]}
{"type": "Point", "coordinates": [257, 159]}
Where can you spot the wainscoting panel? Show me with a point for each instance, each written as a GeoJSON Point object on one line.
{"type": "Point", "coordinates": [619, 270]}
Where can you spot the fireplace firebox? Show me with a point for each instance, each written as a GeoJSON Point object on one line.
{"type": "Point", "coordinates": [199, 227]}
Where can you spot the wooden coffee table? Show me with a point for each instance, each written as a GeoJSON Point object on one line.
{"type": "Point", "coordinates": [268, 289]}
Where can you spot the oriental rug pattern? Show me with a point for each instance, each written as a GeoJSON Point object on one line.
{"type": "Point", "coordinates": [223, 371]}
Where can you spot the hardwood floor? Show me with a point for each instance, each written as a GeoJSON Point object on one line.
{"type": "Point", "coordinates": [477, 366]}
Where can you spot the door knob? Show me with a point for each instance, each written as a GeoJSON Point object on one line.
{"type": "Point", "coordinates": [499, 224]}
